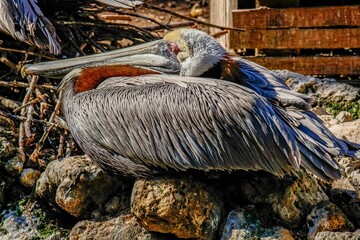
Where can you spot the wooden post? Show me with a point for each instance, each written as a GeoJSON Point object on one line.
{"type": "Point", "coordinates": [221, 14]}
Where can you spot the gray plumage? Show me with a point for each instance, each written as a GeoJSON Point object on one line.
{"type": "Point", "coordinates": [24, 21]}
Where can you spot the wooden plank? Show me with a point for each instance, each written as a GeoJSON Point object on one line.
{"type": "Point", "coordinates": [297, 17]}
{"type": "Point", "coordinates": [220, 14]}
{"type": "Point", "coordinates": [296, 38]}
{"type": "Point", "coordinates": [345, 65]}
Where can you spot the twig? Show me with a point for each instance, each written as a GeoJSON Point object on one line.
{"type": "Point", "coordinates": [8, 63]}
{"type": "Point", "coordinates": [19, 118]}
{"type": "Point", "coordinates": [40, 143]}
{"type": "Point", "coordinates": [26, 85]}
{"type": "Point", "coordinates": [30, 53]}
{"type": "Point", "coordinates": [190, 18]}
{"type": "Point", "coordinates": [35, 100]}
{"type": "Point", "coordinates": [8, 103]}
{"type": "Point", "coordinates": [144, 17]}
{"type": "Point", "coordinates": [117, 26]}
{"type": "Point", "coordinates": [44, 106]}
{"type": "Point", "coordinates": [170, 26]}
{"type": "Point", "coordinates": [28, 121]}
{"type": "Point", "coordinates": [21, 148]}
{"type": "Point", "coordinates": [61, 146]}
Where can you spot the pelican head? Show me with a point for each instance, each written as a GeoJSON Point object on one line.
{"type": "Point", "coordinates": [187, 52]}
{"type": "Point", "coordinates": [196, 51]}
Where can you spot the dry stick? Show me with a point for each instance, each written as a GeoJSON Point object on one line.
{"type": "Point", "coordinates": [9, 63]}
{"type": "Point", "coordinates": [118, 25]}
{"type": "Point", "coordinates": [30, 53]}
{"type": "Point", "coordinates": [61, 146]}
{"type": "Point", "coordinates": [144, 17]}
{"type": "Point", "coordinates": [171, 26]}
{"type": "Point", "coordinates": [25, 85]}
{"type": "Point", "coordinates": [35, 100]}
{"type": "Point", "coordinates": [40, 143]}
{"type": "Point", "coordinates": [8, 103]}
{"type": "Point", "coordinates": [19, 118]}
{"type": "Point", "coordinates": [43, 104]}
{"type": "Point", "coordinates": [190, 19]}
{"type": "Point", "coordinates": [28, 121]}
{"type": "Point", "coordinates": [21, 148]}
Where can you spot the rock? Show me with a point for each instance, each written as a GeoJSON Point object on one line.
{"type": "Point", "coordinates": [29, 222]}
{"type": "Point", "coordinates": [349, 131]}
{"type": "Point", "coordinates": [326, 216]}
{"type": "Point", "coordinates": [319, 111]}
{"type": "Point", "coordinates": [29, 177]}
{"type": "Point", "coordinates": [14, 166]}
{"type": "Point", "coordinates": [352, 170]}
{"type": "Point", "coordinates": [15, 227]}
{"type": "Point", "coordinates": [344, 117]}
{"type": "Point", "coordinates": [124, 227]}
{"type": "Point", "coordinates": [240, 225]}
{"type": "Point", "coordinates": [345, 196]}
{"type": "Point", "coordinates": [338, 235]}
{"type": "Point", "coordinates": [182, 207]}
{"type": "Point", "coordinates": [291, 200]}
{"type": "Point", "coordinates": [76, 184]}
{"type": "Point", "coordinates": [113, 205]}
{"type": "Point", "coordinates": [327, 92]}
{"type": "Point", "coordinates": [7, 149]}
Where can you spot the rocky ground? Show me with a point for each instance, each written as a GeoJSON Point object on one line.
{"type": "Point", "coordinates": [72, 198]}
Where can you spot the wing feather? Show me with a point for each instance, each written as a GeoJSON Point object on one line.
{"type": "Point", "coordinates": [207, 125]}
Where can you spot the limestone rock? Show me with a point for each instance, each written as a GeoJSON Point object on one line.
{"type": "Point", "coordinates": [338, 235]}
{"type": "Point", "coordinates": [29, 222]}
{"type": "Point", "coordinates": [346, 197]}
{"type": "Point", "coordinates": [182, 207]}
{"type": "Point", "coordinates": [7, 149]}
{"type": "Point", "coordinates": [327, 92]}
{"type": "Point", "coordinates": [14, 165]}
{"type": "Point", "coordinates": [349, 131]}
{"type": "Point", "coordinates": [352, 170]}
{"type": "Point", "coordinates": [290, 200]}
{"type": "Point", "coordinates": [344, 116]}
{"type": "Point", "coordinates": [29, 177]}
{"type": "Point", "coordinates": [327, 217]}
{"type": "Point", "coordinates": [123, 227]}
{"type": "Point", "coordinates": [76, 184]}
{"type": "Point", "coordinates": [240, 225]}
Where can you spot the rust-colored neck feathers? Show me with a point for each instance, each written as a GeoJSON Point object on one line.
{"type": "Point", "coordinates": [230, 69]}
{"type": "Point", "coordinates": [91, 77]}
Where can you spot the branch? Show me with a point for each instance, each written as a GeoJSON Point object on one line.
{"type": "Point", "coordinates": [190, 18]}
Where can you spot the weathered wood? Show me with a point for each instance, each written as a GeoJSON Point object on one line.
{"type": "Point", "coordinates": [220, 14]}
{"type": "Point", "coordinates": [296, 38]}
{"type": "Point", "coordinates": [346, 65]}
{"type": "Point", "coordinates": [297, 17]}
{"type": "Point", "coordinates": [277, 3]}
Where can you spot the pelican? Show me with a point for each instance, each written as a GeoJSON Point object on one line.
{"type": "Point", "coordinates": [185, 103]}
{"type": "Point", "coordinates": [25, 22]}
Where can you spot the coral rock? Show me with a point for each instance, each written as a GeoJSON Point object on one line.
{"type": "Point", "coordinates": [29, 177]}
{"type": "Point", "coordinates": [338, 235]}
{"type": "Point", "coordinates": [124, 227]}
{"type": "Point", "coordinates": [240, 225]}
{"type": "Point", "coordinates": [76, 184]}
{"type": "Point", "coordinates": [327, 217]}
{"type": "Point", "coordinates": [182, 207]}
{"type": "Point", "coordinates": [290, 200]}
{"type": "Point", "coordinates": [349, 131]}
{"type": "Point", "coordinates": [7, 149]}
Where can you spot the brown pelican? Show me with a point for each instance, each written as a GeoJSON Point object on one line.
{"type": "Point", "coordinates": [184, 103]}
{"type": "Point", "coordinates": [24, 21]}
